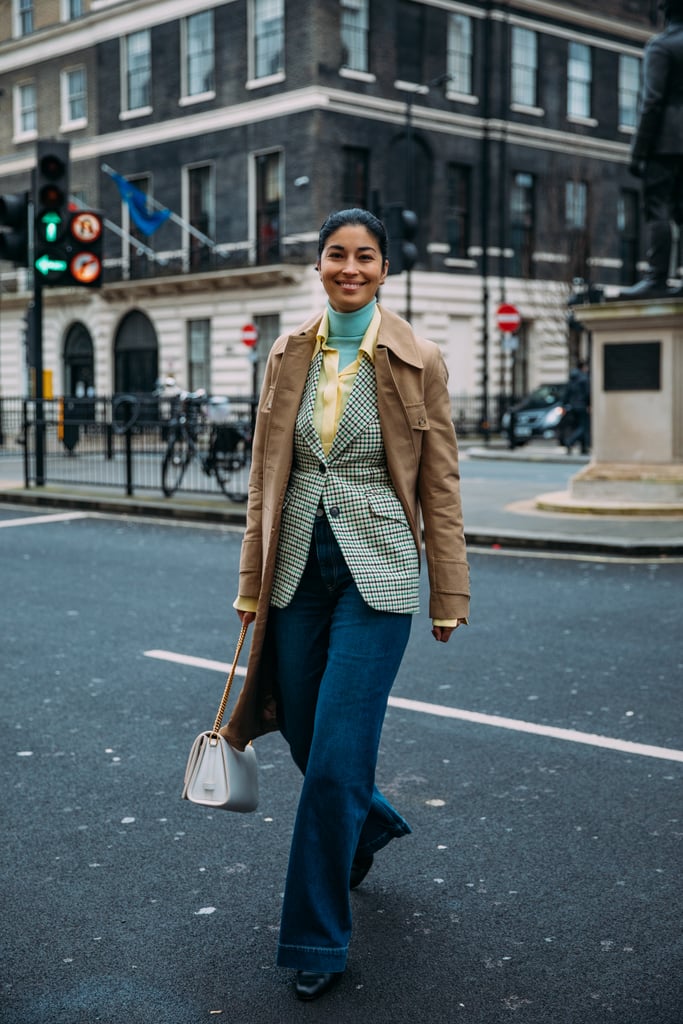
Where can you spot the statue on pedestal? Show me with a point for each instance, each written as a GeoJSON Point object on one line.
{"type": "Point", "coordinates": [657, 152]}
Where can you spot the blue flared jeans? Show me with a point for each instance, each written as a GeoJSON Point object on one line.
{"type": "Point", "coordinates": [337, 659]}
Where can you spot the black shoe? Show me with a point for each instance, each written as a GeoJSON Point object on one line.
{"type": "Point", "coordinates": [311, 985]}
{"type": "Point", "coordinates": [359, 869]}
{"type": "Point", "coordinates": [648, 288]}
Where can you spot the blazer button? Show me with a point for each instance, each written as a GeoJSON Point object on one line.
{"type": "Point", "coordinates": [334, 511]}
{"type": "Point", "coordinates": [322, 467]}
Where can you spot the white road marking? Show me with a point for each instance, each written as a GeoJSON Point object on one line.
{"type": "Point", "coordinates": [514, 724]}
{"type": "Point", "coordinates": [55, 517]}
{"type": "Point", "coordinates": [187, 659]}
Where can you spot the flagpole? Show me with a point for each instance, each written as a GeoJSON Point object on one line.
{"type": "Point", "coordinates": [172, 216]}
{"type": "Point", "coordinates": [140, 246]}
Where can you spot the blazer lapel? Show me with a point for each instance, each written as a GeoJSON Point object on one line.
{"type": "Point", "coordinates": [361, 408]}
{"type": "Point", "coordinates": [304, 421]}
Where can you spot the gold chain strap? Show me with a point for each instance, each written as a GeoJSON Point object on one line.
{"type": "Point", "coordinates": [228, 682]}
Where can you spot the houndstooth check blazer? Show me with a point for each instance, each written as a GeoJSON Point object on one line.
{"type": "Point", "coordinates": [414, 412]}
{"type": "Point", "coordinates": [353, 486]}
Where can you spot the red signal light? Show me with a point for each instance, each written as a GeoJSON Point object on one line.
{"type": "Point", "coordinates": [52, 167]}
{"type": "Point", "coordinates": [51, 197]}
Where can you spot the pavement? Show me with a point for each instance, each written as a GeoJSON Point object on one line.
{"type": "Point", "coordinates": [501, 510]}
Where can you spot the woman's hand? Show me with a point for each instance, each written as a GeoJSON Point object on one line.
{"type": "Point", "coordinates": [246, 618]}
{"type": "Point", "coordinates": [443, 633]}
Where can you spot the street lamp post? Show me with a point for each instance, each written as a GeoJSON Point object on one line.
{"type": "Point", "coordinates": [411, 91]}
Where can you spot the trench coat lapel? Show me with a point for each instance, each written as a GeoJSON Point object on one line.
{"type": "Point", "coordinates": [295, 362]}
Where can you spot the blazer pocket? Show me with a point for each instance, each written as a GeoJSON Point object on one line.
{"type": "Point", "coordinates": [387, 506]}
{"type": "Point", "coordinates": [417, 416]}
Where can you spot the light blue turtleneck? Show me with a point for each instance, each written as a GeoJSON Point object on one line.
{"type": "Point", "coordinates": [347, 330]}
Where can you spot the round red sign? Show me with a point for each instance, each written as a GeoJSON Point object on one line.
{"type": "Point", "coordinates": [249, 335]}
{"type": "Point", "coordinates": [508, 318]}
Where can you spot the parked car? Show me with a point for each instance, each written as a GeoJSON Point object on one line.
{"type": "Point", "coordinates": [540, 414]}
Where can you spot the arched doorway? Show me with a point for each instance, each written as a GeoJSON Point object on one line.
{"type": "Point", "coordinates": [79, 362]}
{"type": "Point", "coordinates": [136, 355]}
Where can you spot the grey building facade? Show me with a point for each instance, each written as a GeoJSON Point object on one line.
{"type": "Point", "coordinates": [505, 126]}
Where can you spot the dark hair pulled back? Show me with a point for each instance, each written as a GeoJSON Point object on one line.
{"type": "Point", "coordinates": [342, 218]}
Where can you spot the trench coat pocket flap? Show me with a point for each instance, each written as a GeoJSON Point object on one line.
{"type": "Point", "coordinates": [417, 416]}
{"type": "Point", "coordinates": [267, 403]}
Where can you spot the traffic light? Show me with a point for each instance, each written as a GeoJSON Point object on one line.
{"type": "Point", "coordinates": [14, 217]}
{"type": "Point", "coordinates": [401, 225]}
{"type": "Point", "coordinates": [51, 198]}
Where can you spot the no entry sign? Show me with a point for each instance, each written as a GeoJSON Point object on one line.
{"type": "Point", "coordinates": [508, 318]}
{"type": "Point", "coordinates": [249, 335]}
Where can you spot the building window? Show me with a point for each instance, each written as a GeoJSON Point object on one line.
{"type": "Point", "coordinates": [524, 67]}
{"type": "Point", "coordinates": [576, 205]}
{"type": "Point", "coordinates": [268, 327]}
{"type": "Point", "coordinates": [23, 17]}
{"type": "Point", "coordinates": [522, 224]}
{"type": "Point", "coordinates": [354, 34]}
{"type": "Point", "coordinates": [199, 355]}
{"type": "Point", "coordinates": [629, 86]}
{"type": "Point", "coordinates": [201, 212]}
{"type": "Point", "coordinates": [269, 37]}
{"type": "Point", "coordinates": [198, 54]}
{"type": "Point", "coordinates": [72, 9]}
{"type": "Point", "coordinates": [579, 79]}
{"type": "Point", "coordinates": [268, 207]}
{"type": "Point", "coordinates": [355, 185]}
{"type": "Point", "coordinates": [74, 98]}
{"type": "Point", "coordinates": [25, 111]}
{"type": "Point", "coordinates": [628, 225]}
{"type": "Point", "coordinates": [458, 210]}
{"type": "Point", "coordinates": [137, 71]}
{"type": "Point", "coordinates": [410, 41]}
{"type": "Point", "coordinates": [459, 56]}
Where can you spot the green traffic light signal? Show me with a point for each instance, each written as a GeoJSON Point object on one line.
{"type": "Point", "coordinates": [51, 223]}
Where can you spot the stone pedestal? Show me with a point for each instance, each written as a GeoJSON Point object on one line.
{"type": "Point", "coordinates": [636, 411]}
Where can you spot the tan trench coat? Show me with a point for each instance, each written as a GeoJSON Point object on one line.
{"type": "Point", "coordinates": [415, 416]}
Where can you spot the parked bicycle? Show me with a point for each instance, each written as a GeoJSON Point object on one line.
{"type": "Point", "coordinates": [192, 414]}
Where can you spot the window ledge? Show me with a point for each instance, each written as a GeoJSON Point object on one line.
{"type": "Point", "coordinates": [461, 97]}
{"type": "Point", "coordinates": [200, 97]}
{"type": "Point", "coordinates": [74, 126]}
{"type": "Point", "coordinates": [587, 122]}
{"type": "Point", "coordinates": [522, 108]}
{"type": "Point", "coordinates": [261, 83]}
{"type": "Point", "coordinates": [452, 261]}
{"type": "Point", "coordinates": [127, 115]}
{"type": "Point", "coordinates": [358, 76]}
{"type": "Point", "coordinates": [25, 136]}
{"type": "Point", "coordinates": [627, 129]}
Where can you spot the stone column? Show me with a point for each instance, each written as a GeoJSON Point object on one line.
{"type": "Point", "coordinates": [637, 406]}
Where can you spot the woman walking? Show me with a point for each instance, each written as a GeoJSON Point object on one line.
{"type": "Point", "coordinates": [354, 456]}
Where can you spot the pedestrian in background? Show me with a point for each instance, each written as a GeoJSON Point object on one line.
{"type": "Point", "coordinates": [354, 446]}
{"type": "Point", "coordinates": [657, 151]}
{"type": "Point", "coordinates": [576, 400]}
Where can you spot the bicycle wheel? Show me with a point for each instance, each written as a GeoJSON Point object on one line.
{"type": "Point", "coordinates": [175, 463]}
{"type": "Point", "coordinates": [224, 466]}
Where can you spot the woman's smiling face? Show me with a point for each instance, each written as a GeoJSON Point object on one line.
{"type": "Point", "coordinates": [351, 268]}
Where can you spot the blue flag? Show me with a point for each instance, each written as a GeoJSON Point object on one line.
{"type": "Point", "coordinates": [136, 200]}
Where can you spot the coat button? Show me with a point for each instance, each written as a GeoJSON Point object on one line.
{"type": "Point", "coordinates": [322, 467]}
{"type": "Point", "coordinates": [334, 511]}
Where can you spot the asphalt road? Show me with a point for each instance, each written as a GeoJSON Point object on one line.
{"type": "Point", "coordinates": [541, 884]}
